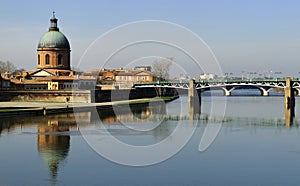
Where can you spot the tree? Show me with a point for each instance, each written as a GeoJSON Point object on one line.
{"type": "Point", "coordinates": [7, 67]}
{"type": "Point", "coordinates": [161, 68]}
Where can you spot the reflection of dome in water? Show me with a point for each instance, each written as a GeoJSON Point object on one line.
{"type": "Point", "coordinates": [52, 147]}
{"type": "Point", "coordinates": [53, 157]}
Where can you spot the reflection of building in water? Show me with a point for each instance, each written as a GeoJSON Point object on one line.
{"type": "Point", "coordinates": [132, 114]}
{"type": "Point", "coordinates": [52, 146]}
{"type": "Point", "coordinates": [6, 125]}
{"type": "Point", "coordinates": [138, 114]}
{"type": "Point", "coordinates": [1, 128]}
{"type": "Point", "coordinates": [53, 139]}
{"type": "Point", "coordinates": [144, 114]}
{"type": "Point", "coordinates": [10, 124]}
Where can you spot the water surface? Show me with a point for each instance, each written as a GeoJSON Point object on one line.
{"type": "Point", "coordinates": [253, 147]}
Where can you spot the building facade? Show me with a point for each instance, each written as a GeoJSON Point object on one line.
{"type": "Point", "coordinates": [54, 73]}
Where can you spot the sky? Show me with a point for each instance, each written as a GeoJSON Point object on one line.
{"type": "Point", "coordinates": [244, 36]}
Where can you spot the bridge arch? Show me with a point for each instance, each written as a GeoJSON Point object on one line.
{"type": "Point", "coordinates": [264, 90]}
{"type": "Point", "coordinates": [227, 90]}
{"type": "Point", "coordinates": [297, 91]}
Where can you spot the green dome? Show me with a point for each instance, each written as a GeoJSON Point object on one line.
{"type": "Point", "coordinates": [54, 39]}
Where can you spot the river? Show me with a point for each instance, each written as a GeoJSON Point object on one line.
{"type": "Point", "coordinates": [252, 147]}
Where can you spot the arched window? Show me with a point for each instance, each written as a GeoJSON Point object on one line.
{"type": "Point", "coordinates": [47, 58]}
{"type": "Point", "coordinates": [39, 59]}
{"type": "Point", "coordinates": [59, 59]}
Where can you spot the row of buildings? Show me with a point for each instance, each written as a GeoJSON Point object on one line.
{"type": "Point", "coordinates": [45, 79]}
{"type": "Point", "coordinates": [54, 71]}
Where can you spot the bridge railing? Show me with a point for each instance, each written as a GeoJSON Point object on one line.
{"type": "Point", "coordinates": [253, 80]}
{"type": "Point", "coordinates": [162, 82]}
{"type": "Point", "coordinates": [258, 80]}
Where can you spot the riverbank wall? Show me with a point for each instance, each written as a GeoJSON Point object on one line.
{"type": "Point", "coordinates": [129, 94]}
{"type": "Point", "coordinates": [81, 96]}
{"type": "Point", "coordinates": [85, 96]}
{"type": "Point", "coordinates": [46, 108]}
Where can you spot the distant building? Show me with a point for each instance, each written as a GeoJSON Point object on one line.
{"type": "Point", "coordinates": [4, 82]}
{"type": "Point", "coordinates": [110, 76]}
{"type": "Point", "coordinates": [208, 76]}
{"type": "Point", "coordinates": [143, 68]}
{"type": "Point", "coordinates": [134, 76]}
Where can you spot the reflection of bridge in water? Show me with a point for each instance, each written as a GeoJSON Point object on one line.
{"type": "Point", "coordinates": [291, 87]}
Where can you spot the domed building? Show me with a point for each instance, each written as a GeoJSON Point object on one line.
{"type": "Point", "coordinates": [53, 72]}
{"type": "Point", "coordinates": [53, 49]}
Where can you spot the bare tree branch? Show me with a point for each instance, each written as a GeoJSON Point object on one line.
{"type": "Point", "coordinates": [161, 68]}
{"type": "Point", "coordinates": [7, 67]}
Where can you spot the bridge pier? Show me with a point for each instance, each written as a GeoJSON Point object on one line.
{"type": "Point", "coordinates": [194, 100]}
{"type": "Point", "coordinates": [227, 92]}
{"type": "Point", "coordinates": [289, 102]}
{"type": "Point", "coordinates": [264, 92]}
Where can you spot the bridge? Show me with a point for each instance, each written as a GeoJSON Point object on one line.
{"type": "Point", "coordinates": [227, 85]}
{"type": "Point", "coordinates": [291, 87]}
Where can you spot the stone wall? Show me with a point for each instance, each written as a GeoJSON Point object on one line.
{"type": "Point", "coordinates": [85, 96]}
{"type": "Point", "coordinates": [127, 94]}
{"type": "Point", "coordinates": [47, 96]}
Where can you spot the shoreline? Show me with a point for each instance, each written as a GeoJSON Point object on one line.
{"type": "Point", "coordinates": [46, 108]}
